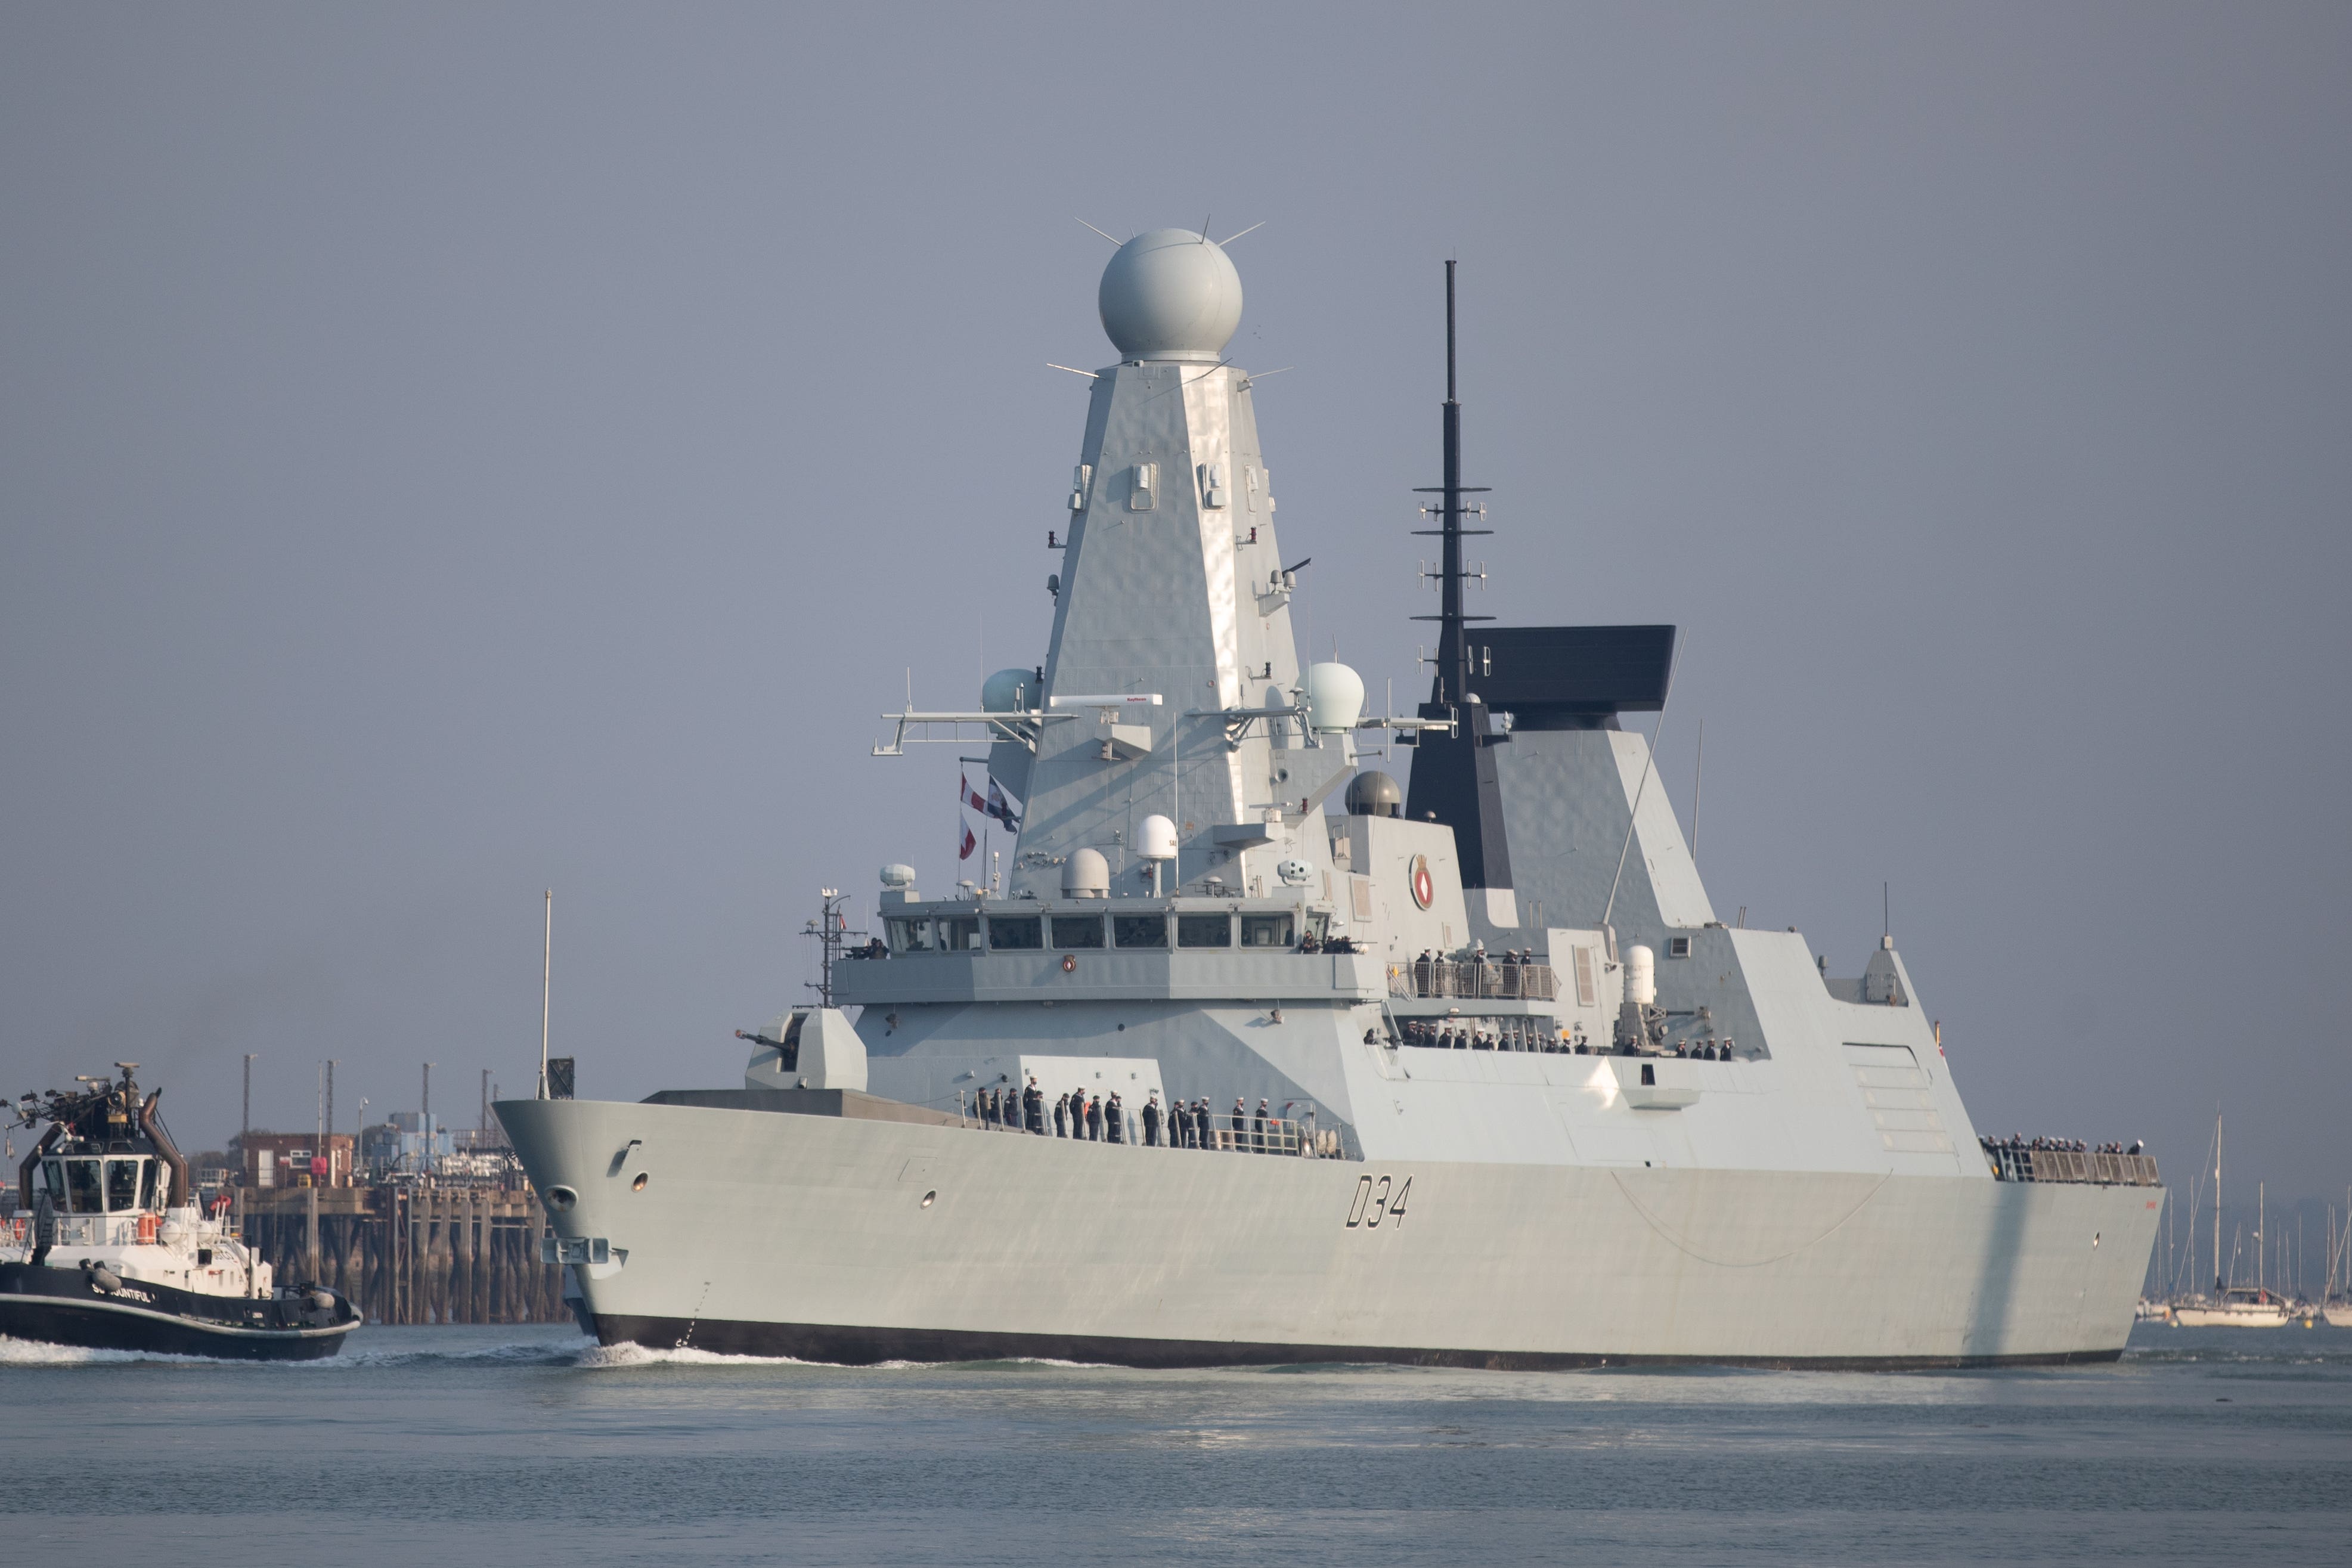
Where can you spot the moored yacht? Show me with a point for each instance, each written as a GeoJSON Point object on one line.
{"type": "Point", "coordinates": [2240, 1307]}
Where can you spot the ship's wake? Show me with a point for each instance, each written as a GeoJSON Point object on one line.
{"type": "Point", "coordinates": [562, 1352]}
{"type": "Point", "coordinates": [624, 1356]}
{"type": "Point", "coordinates": [40, 1352]}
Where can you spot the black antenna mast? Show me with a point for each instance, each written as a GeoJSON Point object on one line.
{"type": "Point", "coordinates": [1452, 648]}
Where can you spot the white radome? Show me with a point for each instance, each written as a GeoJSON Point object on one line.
{"type": "Point", "coordinates": [1335, 697]}
{"type": "Point", "coordinates": [1170, 294]}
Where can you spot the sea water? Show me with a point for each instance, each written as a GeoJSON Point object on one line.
{"type": "Point", "coordinates": [532, 1446]}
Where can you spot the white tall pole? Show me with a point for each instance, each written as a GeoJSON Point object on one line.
{"type": "Point", "coordinates": [2217, 1203]}
{"type": "Point", "coordinates": [546, 989]}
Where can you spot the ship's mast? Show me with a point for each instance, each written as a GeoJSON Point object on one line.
{"type": "Point", "coordinates": [2217, 1203]}
{"type": "Point", "coordinates": [1453, 647]}
{"type": "Point", "coordinates": [831, 929]}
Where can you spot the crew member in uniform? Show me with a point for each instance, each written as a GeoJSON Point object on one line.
{"type": "Point", "coordinates": [1152, 1120]}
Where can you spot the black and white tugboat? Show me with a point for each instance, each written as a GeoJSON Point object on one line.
{"type": "Point", "coordinates": [113, 1252]}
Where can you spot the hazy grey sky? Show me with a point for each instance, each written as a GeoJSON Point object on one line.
{"type": "Point", "coordinates": [449, 452]}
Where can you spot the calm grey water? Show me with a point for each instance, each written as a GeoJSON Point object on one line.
{"type": "Point", "coordinates": [529, 1446]}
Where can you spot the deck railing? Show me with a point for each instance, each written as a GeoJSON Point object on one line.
{"type": "Point", "coordinates": [1470, 979]}
{"type": "Point", "coordinates": [1276, 1135]}
{"type": "Point", "coordinates": [2088, 1166]}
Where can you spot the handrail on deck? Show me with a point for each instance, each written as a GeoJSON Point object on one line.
{"type": "Point", "coordinates": [2088, 1166]}
{"type": "Point", "coordinates": [1471, 979]}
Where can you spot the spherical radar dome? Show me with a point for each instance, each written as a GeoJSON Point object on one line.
{"type": "Point", "coordinates": [1170, 294]}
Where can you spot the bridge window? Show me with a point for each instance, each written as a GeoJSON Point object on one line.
{"type": "Point", "coordinates": [1015, 934]}
{"type": "Point", "coordinates": [960, 933]}
{"type": "Point", "coordinates": [911, 935]}
{"type": "Point", "coordinates": [1078, 931]}
{"type": "Point", "coordinates": [121, 1185]}
{"type": "Point", "coordinates": [1204, 931]}
{"type": "Point", "coordinates": [1265, 931]}
{"type": "Point", "coordinates": [83, 1190]}
{"type": "Point", "coordinates": [1139, 931]}
{"type": "Point", "coordinates": [147, 1169]}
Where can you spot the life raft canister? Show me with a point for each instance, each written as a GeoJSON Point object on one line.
{"type": "Point", "coordinates": [149, 1225]}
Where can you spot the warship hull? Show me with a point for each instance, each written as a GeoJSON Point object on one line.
{"type": "Point", "coordinates": [837, 1240]}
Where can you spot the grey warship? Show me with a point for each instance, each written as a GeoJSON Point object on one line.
{"type": "Point", "coordinates": [1506, 1092]}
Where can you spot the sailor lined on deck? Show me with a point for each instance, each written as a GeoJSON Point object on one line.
{"type": "Point", "coordinates": [1093, 1120]}
{"type": "Point", "coordinates": [1152, 1120]}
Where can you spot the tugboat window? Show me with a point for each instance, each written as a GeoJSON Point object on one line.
{"type": "Point", "coordinates": [1204, 931]}
{"type": "Point", "coordinates": [1139, 931]}
{"type": "Point", "coordinates": [1078, 931]}
{"type": "Point", "coordinates": [1265, 931]}
{"type": "Point", "coordinates": [82, 1188]}
{"type": "Point", "coordinates": [147, 1184]}
{"type": "Point", "coordinates": [1015, 934]}
{"type": "Point", "coordinates": [121, 1185]}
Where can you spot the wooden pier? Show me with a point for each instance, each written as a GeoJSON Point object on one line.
{"type": "Point", "coordinates": [407, 1254]}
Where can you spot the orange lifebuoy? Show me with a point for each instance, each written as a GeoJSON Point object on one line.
{"type": "Point", "coordinates": [149, 1224]}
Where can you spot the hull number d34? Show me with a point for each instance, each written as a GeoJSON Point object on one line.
{"type": "Point", "coordinates": [1373, 1202]}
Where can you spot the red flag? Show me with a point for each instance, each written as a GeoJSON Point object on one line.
{"type": "Point", "coordinates": [969, 843]}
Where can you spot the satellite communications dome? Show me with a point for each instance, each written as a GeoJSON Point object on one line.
{"type": "Point", "coordinates": [1009, 692]}
{"type": "Point", "coordinates": [1374, 794]}
{"type": "Point", "coordinates": [1086, 875]}
{"type": "Point", "coordinates": [1170, 294]}
{"type": "Point", "coordinates": [1335, 698]}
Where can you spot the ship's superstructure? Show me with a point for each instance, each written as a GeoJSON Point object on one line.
{"type": "Point", "coordinates": [1531, 1102]}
